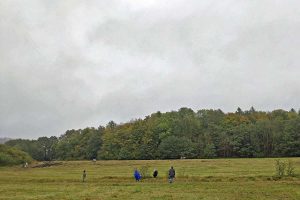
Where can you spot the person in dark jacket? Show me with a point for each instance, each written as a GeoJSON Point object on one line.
{"type": "Point", "coordinates": [171, 174]}
{"type": "Point", "coordinates": [83, 175]}
{"type": "Point", "coordinates": [137, 175]}
{"type": "Point", "coordinates": [155, 173]}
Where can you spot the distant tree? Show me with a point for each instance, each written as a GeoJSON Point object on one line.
{"type": "Point", "coordinates": [209, 151]}
{"type": "Point", "coordinates": [111, 125]}
{"type": "Point", "coordinates": [174, 148]}
{"type": "Point", "coordinates": [79, 144]}
{"type": "Point", "coordinates": [252, 110]}
{"type": "Point", "coordinates": [48, 144]}
{"type": "Point", "coordinates": [239, 111]}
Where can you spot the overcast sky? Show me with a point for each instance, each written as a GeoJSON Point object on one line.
{"type": "Point", "coordinates": [72, 64]}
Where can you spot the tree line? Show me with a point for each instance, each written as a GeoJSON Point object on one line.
{"type": "Point", "coordinates": [206, 133]}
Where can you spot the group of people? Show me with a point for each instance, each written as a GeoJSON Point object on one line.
{"type": "Point", "coordinates": [171, 174]}
{"type": "Point", "coordinates": [138, 176]}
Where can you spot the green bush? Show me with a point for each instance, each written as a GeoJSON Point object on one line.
{"type": "Point", "coordinates": [290, 169]}
{"type": "Point", "coordinates": [12, 156]}
{"type": "Point", "coordinates": [145, 172]}
{"type": "Point", "coordinates": [282, 168]}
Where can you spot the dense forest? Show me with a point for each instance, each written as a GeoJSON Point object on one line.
{"type": "Point", "coordinates": [176, 134]}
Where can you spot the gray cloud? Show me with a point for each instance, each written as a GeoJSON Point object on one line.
{"type": "Point", "coordinates": [72, 64]}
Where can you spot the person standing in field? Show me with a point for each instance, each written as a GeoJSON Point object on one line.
{"type": "Point", "coordinates": [171, 174]}
{"type": "Point", "coordinates": [155, 173]}
{"type": "Point", "coordinates": [137, 175]}
{"type": "Point", "coordinates": [83, 176]}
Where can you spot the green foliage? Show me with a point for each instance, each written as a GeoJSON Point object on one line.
{"type": "Point", "coordinates": [174, 148]}
{"type": "Point", "coordinates": [79, 144]}
{"type": "Point", "coordinates": [290, 168]}
{"type": "Point", "coordinates": [12, 156]}
{"type": "Point", "coordinates": [40, 149]}
{"type": "Point", "coordinates": [145, 171]}
{"type": "Point", "coordinates": [209, 151]}
{"type": "Point", "coordinates": [280, 168]}
{"type": "Point", "coordinates": [183, 133]}
{"type": "Point", "coordinates": [284, 168]}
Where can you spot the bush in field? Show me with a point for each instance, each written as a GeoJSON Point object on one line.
{"type": "Point", "coordinates": [12, 156]}
{"type": "Point", "coordinates": [282, 168]}
{"type": "Point", "coordinates": [145, 172]}
{"type": "Point", "coordinates": [290, 170]}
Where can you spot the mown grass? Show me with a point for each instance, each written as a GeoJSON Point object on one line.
{"type": "Point", "coordinates": [211, 179]}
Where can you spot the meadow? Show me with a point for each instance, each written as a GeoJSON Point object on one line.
{"type": "Point", "coordinates": [211, 179]}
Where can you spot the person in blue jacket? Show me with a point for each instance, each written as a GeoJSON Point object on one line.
{"type": "Point", "coordinates": [137, 175]}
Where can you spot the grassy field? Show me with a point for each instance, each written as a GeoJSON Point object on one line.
{"type": "Point", "coordinates": [224, 179]}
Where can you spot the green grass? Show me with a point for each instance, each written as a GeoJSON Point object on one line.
{"type": "Point", "coordinates": [224, 179]}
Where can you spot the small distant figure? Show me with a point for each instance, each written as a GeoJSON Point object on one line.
{"type": "Point", "coordinates": [137, 175]}
{"type": "Point", "coordinates": [94, 160]}
{"type": "Point", "coordinates": [83, 176]}
{"type": "Point", "coordinates": [25, 164]}
{"type": "Point", "coordinates": [155, 173]}
{"type": "Point", "coordinates": [171, 174]}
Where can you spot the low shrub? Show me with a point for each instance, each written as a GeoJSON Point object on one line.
{"type": "Point", "coordinates": [11, 156]}
{"type": "Point", "coordinates": [283, 168]}
{"type": "Point", "coordinates": [290, 169]}
{"type": "Point", "coordinates": [145, 172]}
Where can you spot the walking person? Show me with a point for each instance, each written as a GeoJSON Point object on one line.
{"type": "Point", "coordinates": [83, 176]}
{"type": "Point", "coordinates": [137, 175]}
{"type": "Point", "coordinates": [171, 174]}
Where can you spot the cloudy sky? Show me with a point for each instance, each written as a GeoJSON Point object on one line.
{"type": "Point", "coordinates": [72, 64]}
